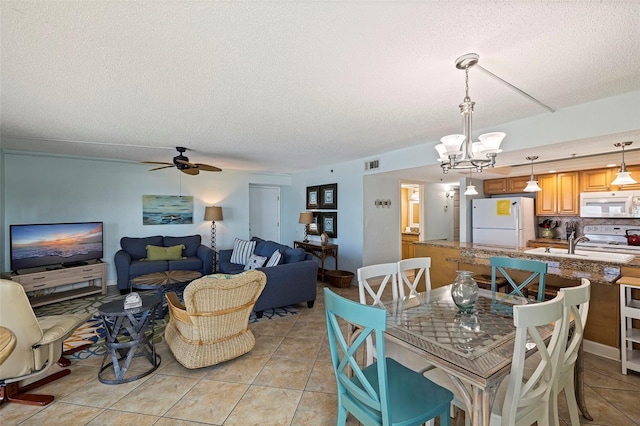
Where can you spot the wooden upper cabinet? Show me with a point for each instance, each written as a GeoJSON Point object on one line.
{"type": "Point", "coordinates": [600, 179]}
{"type": "Point", "coordinates": [568, 194]}
{"type": "Point", "coordinates": [517, 184]}
{"type": "Point", "coordinates": [495, 186]}
{"type": "Point", "coordinates": [559, 196]}
{"type": "Point", "coordinates": [546, 199]}
{"type": "Point", "coordinates": [596, 179]}
{"type": "Point", "coordinates": [514, 185]}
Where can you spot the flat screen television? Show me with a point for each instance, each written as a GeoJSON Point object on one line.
{"type": "Point", "coordinates": [65, 244]}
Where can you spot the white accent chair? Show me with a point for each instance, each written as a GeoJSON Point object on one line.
{"type": "Point", "coordinates": [38, 345]}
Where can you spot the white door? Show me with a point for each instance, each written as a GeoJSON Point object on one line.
{"type": "Point", "coordinates": [264, 212]}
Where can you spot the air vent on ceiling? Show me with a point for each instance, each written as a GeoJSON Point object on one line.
{"type": "Point", "coordinates": [373, 164]}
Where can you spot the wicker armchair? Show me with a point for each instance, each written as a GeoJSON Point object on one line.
{"type": "Point", "coordinates": [213, 324]}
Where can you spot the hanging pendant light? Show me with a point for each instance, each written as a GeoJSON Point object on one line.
{"type": "Point", "coordinates": [459, 151]}
{"type": "Point", "coordinates": [471, 189]}
{"type": "Point", "coordinates": [623, 177]}
{"type": "Point", "coordinates": [532, 184]}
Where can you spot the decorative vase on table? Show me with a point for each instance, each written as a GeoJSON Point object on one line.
{"type": "Point", "coordinates": [324, 239]}
{"type": "Point", "coordinates": [464, 291]}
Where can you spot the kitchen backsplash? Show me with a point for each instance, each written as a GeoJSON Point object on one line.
{"type": "Point", "coordinates": [580, 222]}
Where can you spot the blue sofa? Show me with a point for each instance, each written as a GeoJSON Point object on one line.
{"type": "Point", "coordinates": [290, 282]}
{"type": "Point", "coordinates": [129, 263]}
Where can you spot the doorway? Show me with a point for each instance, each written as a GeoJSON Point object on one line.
{"type": "Point", "coordinates": [264, 212]}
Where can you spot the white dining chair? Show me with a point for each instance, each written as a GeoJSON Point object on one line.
{"type": "Point", "coordinates": [576, 302]}
{"type": "Point", "coordinates": [373, 280]}
{"type": "Point", "coordinates": [420, 267]}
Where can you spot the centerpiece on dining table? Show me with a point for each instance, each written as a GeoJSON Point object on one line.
{"type": "Point", "coordinates": [464, 291]}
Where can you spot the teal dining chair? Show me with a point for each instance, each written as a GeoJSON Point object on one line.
{"type": "Point", "coordinates": [385, 392]}
{"type": "Point", "coordinates": [537, 269]}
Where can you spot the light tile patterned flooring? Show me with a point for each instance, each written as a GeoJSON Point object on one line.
{"type": "Point", "coordinates": [287, 379]}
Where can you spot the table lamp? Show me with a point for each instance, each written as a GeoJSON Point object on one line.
{"type": "Point", "coordinates": [213, 213]}
{"type": "Point", "coordinates": [306, 218]}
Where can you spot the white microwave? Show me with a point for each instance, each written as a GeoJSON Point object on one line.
{"type": "Point", "coordinates": [610, 204]}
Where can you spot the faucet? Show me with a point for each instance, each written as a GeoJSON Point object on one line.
{"type": "Point", "coordinates": [573, 242]}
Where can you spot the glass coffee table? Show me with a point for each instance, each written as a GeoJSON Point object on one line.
{"type": "Point", "coordinates": [162, 282]}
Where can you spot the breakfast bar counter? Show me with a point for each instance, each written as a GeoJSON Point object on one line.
{"type": "Point", "coordinates": [604, 317]}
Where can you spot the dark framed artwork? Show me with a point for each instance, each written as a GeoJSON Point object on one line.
{"type": "Point", "coordinates": [313, 197]}
{"type": "Point", "coordinates": [329, 196]}
{"type": "Point", "coordinates": [330, 224]}
{"type": "Point", "coordinates": [315, 227]}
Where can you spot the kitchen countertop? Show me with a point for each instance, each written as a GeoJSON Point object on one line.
{"type": "Point", "coordinates": [594, 270]}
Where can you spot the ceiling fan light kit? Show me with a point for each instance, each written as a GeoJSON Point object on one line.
{"type": "Point", "coordinates": [459, 151]}
{"type": "Point", "coordinates": [181, 162]}
{"type": "Point", "coordinates": [623, 177]}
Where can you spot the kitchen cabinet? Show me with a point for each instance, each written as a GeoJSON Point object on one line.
{"type": "Point", "coordinates": [559, 195]}
{"type": "Point", "coordinates": [408, 239]}
{"type": "Point", "coordinates": [512, 185]}
{"type": "Point", "coordinates": [600, 179]}
{"type": "Point", "coordinates": [597, 179]}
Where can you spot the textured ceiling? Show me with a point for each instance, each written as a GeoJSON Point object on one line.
{"type": "Point", "coordinates": [287, 86]}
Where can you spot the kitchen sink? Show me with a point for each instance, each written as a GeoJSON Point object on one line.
{"type": "Point", "coordinates": [582, 254]}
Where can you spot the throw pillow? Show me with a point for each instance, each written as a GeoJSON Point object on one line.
{"type": "Point", "coordinates": [255, 262]}
{"type": "Point", "coordinates": [242, 249]}
{"type": "Point", "coordinates": [164, 253]}
{"type": "Point", "coordinates": [274, 259]}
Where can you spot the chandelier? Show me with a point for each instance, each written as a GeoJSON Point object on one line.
{"type": "Point", "coordinates": [459, 151]}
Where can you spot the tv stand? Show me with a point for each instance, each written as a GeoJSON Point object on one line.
{"type": "Point", "coordinates": [37, 280]}
{"type": "Point", "coordinates": [73, 264]}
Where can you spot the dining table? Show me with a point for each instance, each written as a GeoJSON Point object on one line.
{"type": "Point", "coordinates": [474, 349]}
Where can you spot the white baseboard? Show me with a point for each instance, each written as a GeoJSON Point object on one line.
{"type": "Point", "coordinates": [601, 350]}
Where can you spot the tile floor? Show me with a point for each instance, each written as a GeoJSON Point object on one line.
{"type": "Point", "coordinates": [287, 379]}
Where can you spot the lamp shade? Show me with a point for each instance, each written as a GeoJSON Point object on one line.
{"type": "Point", "coordinates": [532, 186]}
{"type": "Point", "coordinates": [306, 218]}
{"type": "Point", "coordinates": [623, 178]}
{"type": "Point", "coordinates": [471, 190]}
{"type": "Point", "coordinates": [213, 213]}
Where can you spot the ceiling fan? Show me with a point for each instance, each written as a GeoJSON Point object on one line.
{"type": "Point", "coordinates": [182, 163]}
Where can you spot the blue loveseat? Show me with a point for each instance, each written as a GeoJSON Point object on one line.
{"type": "Point", "coordinates": [130, 264]}
{"type": "Point", "coordinates": [290, 282]}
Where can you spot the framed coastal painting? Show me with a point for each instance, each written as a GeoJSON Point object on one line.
{"type": "Point", "coordinates": [167, 210]}
{"type": "Point", "coordinates": [330, 224]}
{"type": "Point", "coordinates": [313, 197]}
{"type": "Point", "coordinates": [329, 196]}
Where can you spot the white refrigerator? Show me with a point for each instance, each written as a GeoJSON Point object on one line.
{"type": "Point", "coordinates": [503, 221]}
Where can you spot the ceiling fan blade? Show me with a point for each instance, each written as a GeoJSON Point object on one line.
{"type": "Point", "coordinates": [163, 167]}
{"type": "Point", "coordinates": [187, 163]}
{"type": "Point", "coordinates": [156, 162]}
{"type": "Point", "coordinates": [191, 171]}
{"type": "Point", "coordinates": [208, 168]}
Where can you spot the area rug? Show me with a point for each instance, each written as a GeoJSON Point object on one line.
{"type": "Point", "coordinates": [92, 332]}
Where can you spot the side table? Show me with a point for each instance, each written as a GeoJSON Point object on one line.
{"type": "Point", "coordinates": [129, 334]}
{"type": "Point", "coordinates": [320, 251]}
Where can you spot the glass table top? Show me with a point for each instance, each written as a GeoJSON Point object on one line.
{"type": "Point", "coordinates": [480, 342]}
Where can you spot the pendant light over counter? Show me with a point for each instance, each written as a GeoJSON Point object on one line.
{"type": "Point", "coordinates": [471, 189]}
{"type": "Point", "coordinates": [623, 177]}
{"type": "Point", "coordinates": [532, 184]}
